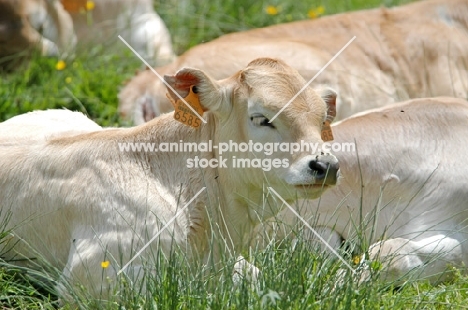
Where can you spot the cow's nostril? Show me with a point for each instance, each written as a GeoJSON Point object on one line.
{"type": "Point", "coordinates": [319, 169]}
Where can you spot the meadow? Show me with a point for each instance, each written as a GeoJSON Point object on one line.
{"type": "Point", "coordinates": [294, 276]}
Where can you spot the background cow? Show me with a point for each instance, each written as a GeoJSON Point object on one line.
{"type": "Point", "coordinates": [55, 28]}
{"type": "Point", "coordinates": [401, 197]}
{"type": "Point", "coordinates": [416, 50]}
{"type": "Point", "coordinates": [76, 201]}
{"type": "Point", "coordinates": [39, 25]}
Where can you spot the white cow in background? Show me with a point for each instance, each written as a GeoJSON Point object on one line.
{"type": "Point", "coordinates": [406, 177]}
{"type": "Point", "coordinates": [78, 199]}
{"type": "Point", "coordinates": [57, 28]}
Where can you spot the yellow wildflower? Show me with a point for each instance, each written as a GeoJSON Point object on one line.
{"type": "Point", "coordinates": [356, 259]}
{"type": "Point", "coordinates": [90, 5]}
{"type": "Point", "coordinates": [68, 80]}
{"type": "Point", "coordinates": [60, 65]}
{"type": "Point", "coordinates": [314, 13]}
{"type": "Point", "coordinates": [105, 264]}
{"type": "Point", "coordinates": [271, 10]}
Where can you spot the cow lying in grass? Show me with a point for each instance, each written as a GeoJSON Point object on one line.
{"type": "Point", "coordinates": [76, 200]}
{"type": "Point", "coordinates": [30, 25]}
{"type": "Point", "coordinates": [402, 191]}
{"type": "Point", "coordinates": [55, 28]}
{"type": "Point", "coordinates": [416, 50]}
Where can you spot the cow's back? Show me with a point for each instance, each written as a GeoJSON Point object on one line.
{"type": "Point", "coordinates": [45, 124]}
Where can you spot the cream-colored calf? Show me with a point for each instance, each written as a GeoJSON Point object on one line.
{"type": "Point", "coordinates": [416, 50]}
{"type": "Point", "coordinates": [79, 199]}
{"type": "Point", "coordinates": [405, 178]}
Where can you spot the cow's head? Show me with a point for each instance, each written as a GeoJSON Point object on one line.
{"type": "Point", "coordinates": [240, 109]}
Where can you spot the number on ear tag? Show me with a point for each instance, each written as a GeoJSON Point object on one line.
{"type": "Point", "coordinates": [183, 113]}
{"type": "Point", "coordinates": [327, 133]}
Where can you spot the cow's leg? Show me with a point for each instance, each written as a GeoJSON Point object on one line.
{"type": "Point", "coordinates": [159, 41]}
{"type": "Point", "coordinates": [93, 264]}
{"type": "Point", "coordinates": [61, 27]}
{"type": "Point", "coordinates": [150, 37]}
{"type": "Point", "coordinates": [245, 271]}
{"type": "Point", "coordinates": [48, 48]}
{"type": "Point", "coordinates": [32, 38]}
{"type": "Point", "coordinates": [87, 267]}
{"type": "Point", "coordinates": [428, 258]}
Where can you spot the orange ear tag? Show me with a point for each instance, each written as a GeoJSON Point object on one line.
{"type": "Point", "coordinates": [74, 6]}
{"type": "Point", "coordinates": [327, 134]}
{"type": "Point", "coordinates": [183, 113]}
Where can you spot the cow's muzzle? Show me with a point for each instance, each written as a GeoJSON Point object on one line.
{"type": "Point", "coordinates": [325, 170]}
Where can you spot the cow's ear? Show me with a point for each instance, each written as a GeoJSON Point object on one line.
{"type": "Point", "coordinates": [207, 89]}
{"type": "Point", "coordinates": [329, 96]}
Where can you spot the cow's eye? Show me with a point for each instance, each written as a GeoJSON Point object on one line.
{"type": "Point", "coordinates": [260, 120]}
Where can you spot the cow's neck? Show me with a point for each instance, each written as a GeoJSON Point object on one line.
{"type": "Point", "coordinates": [162, 181]}
{"type": "Point", "coordinates": [225, 196]}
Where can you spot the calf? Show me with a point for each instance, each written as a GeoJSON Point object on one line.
{"type": "Point", "coordinates": [39, 25]}
{"type": "Point", "coordinates": [76, 200]}
{"type": "Point", "coordinates": [401, 190]}
{"type": "Point", "coordinates": [416, 50]}
{"type": "Point", "coordinates": [55, 28]}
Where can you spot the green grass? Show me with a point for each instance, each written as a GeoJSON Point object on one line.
{"type": "Point", "coordinates": [293, 277]}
